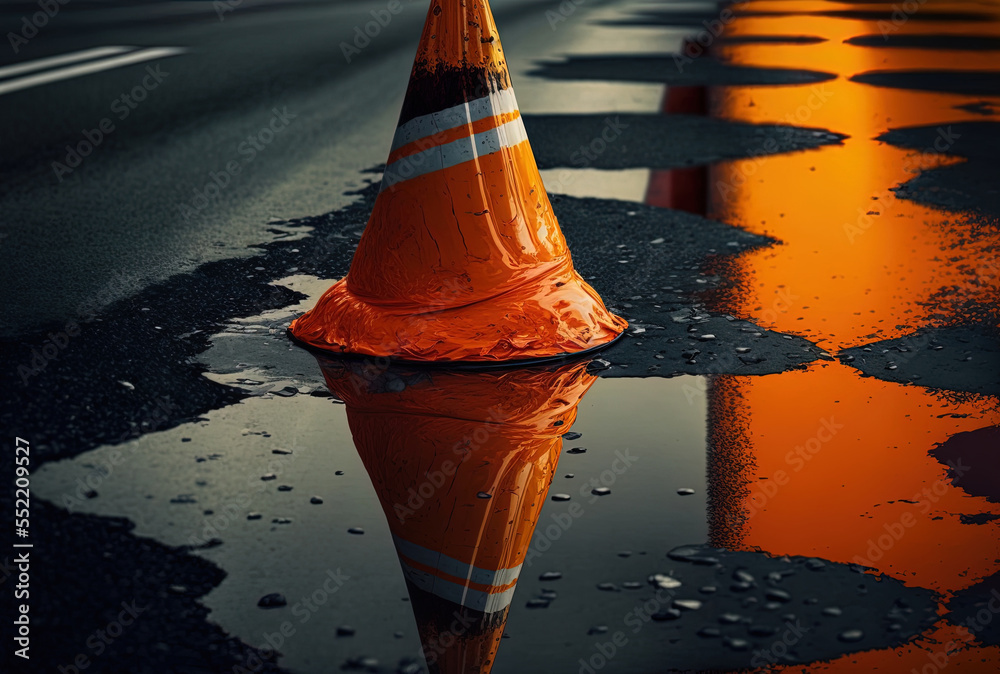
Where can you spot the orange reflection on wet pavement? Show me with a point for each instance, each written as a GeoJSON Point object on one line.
{"type": "Point", "coordinates": [857, 262]}
{"type": "Point", "coordinates": [842, 469]}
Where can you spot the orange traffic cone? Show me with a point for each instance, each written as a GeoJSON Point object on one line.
{"type": "Point", "coordinates": [462, 258]}
{"type": "Point", "coordinates": [461, 463]}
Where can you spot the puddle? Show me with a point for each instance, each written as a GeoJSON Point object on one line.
{"type": "Point", "coordinates": [165, 482]}
{"type": "Point", "coordinates": [858, 480]}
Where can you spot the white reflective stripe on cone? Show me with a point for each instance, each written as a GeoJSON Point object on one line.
{"type": "Point", "coordinates": [477, 600]}
{"type": "Point", "coordinates": [454, 153]}
{"type": "Point", "coordinates": [496, 103]}
{"type": "Point", "coordinates": [455, 567]}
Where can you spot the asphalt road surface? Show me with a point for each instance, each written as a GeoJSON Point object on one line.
{"type": "Point", "coordinates": [81, 225]}
{"type": "Point", "coordinates": [788, 459]}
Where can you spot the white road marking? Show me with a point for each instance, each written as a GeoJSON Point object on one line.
{"type": "Point", "coordinates": [9, 86]}
{"type": "Point", "coordinates": [62, 60]}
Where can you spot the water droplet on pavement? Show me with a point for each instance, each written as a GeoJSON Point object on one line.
{"type": "Point", "coordinates": [851, 636]}
{"type": "Point", "coordinates": [666, 614]}
{"type": "Point", "coordinates": [273, 600]}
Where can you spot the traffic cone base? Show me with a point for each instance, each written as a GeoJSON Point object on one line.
{"type": "Point", "coordinates": [561, 317]}
{"type": "Point", "coordinates": [462, 258]}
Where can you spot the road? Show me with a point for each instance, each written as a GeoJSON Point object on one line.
{"type": "Point", "coordinates": [129, 213]}
{"type": "Point", "coordinates": [795, 213]}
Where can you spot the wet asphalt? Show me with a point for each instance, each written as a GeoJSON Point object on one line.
{"type": "Point", "coordinates": [658, 142]}
{"type": "Point", "coordinates": [660, 268]}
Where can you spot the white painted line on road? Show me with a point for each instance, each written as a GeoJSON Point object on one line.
{"type": "Point", "coordinates": [64, 59]}
{"type": "Point", "coordinates": [10, 86]}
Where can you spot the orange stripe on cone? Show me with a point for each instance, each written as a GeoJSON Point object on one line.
{"type": "Point", "coordinates": [433, 444]}
{"type": "Point", "coordinates": [449, 135]}
{"type": "Point", "coordinates": [462, 258]}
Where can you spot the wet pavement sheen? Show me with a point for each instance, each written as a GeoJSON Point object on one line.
{"type": "Point", "coordinates": [750, 497]}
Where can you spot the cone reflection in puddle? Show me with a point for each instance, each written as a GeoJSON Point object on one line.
{"type": "Point", "coordinates": [433, 443]}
